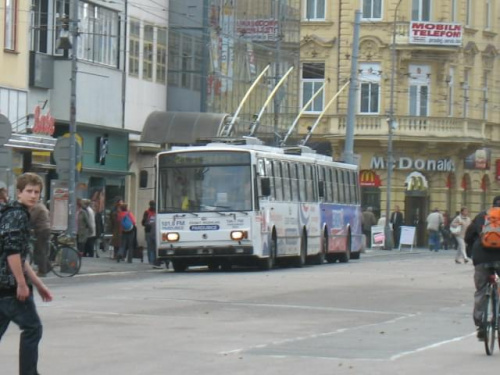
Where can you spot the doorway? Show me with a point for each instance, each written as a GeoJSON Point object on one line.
{"type": "Point", "coordinates": [416, 211]}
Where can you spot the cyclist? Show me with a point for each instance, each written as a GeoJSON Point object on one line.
{"type": "Point", "coordinates": [480, 256]}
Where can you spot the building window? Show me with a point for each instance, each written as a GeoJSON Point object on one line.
{"type": "Point", "coordinates": [369, 78]}
{"type": "Point", "coordinates": [39, 29]}
{"type": "Point", "coordinates": [487, 15]}
{"type": "Point", "coordinates": [315, 10]}
{"type": "Point", "coordinates": [451, 90]}
{"type": "Point", "coordinates": [161, 55]}
{"type": "Point", "coordinates": [10, 37]}
{"type": "Point", "coordinates": [134, 48]}
{"type": "Point", "coordinates": [419, 84]}
{"type": "Point", "coordinates": [372, 9]}
{"type": "Point", "coordinates": [421, 10]}
{"type": "Point", "coordinates": [466, 93]}
{"type": "Point", "coordinates": [98, 30]}
{"type": "Point", "coordinates": [61, 22]}
{"type": "Point", "coordinates": [174, 59]}
{"type": "Point", "coordinates": [454, 10]}
{"type": "Point", "coordinates": [468, 13]}
{"type": "Point", "coordinates": [313, 78]}
{"type": "Point", "coordinates": [147, 53]}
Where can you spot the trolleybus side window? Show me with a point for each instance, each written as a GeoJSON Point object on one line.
{"type": "Point", "coordinates": [348, 187]}
{"type": "Point", "coordinates": [270, 174]}
{"type": "Point", "coordinates": [355, 187]}
{"type": "Point", "coordinates": [309, 183]}
{"type": "Point", "coordinates": [294, 182]}
{"type": "Point", "coordinates": [278, 184]}
{"type": "Point", "coordinates": [329, 183]}
{"type": "Point", "coordinates": [286, 181]}
{"type": "Point", "coordinates": [302, 183]}
{"type": "Point", "coordinates": [339, 186]}
{"type": "Point", "coordinates": [261, 173]}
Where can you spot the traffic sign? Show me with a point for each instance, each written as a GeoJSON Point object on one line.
{"type": "Point", "coordinates": [62, 154]}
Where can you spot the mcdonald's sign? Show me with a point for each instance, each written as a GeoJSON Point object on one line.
{"type": "Point", "coordinates": [368, 178]}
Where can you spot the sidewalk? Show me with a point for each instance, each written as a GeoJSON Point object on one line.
{"type": "Point", "coordinates": [105, 264]}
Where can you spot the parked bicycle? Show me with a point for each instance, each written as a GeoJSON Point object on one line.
{"type": "Point", "coordinates": [63, 259]}
{"type": "Point", "coordinates": [490, 317]}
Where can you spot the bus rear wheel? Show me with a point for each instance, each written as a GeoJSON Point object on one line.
{"type": "Point", "coordinates": [301, 259]}
{"type": "Point", "coordinates": [344, 257]}
{"type": "Point", "coordinates": [320, 257]}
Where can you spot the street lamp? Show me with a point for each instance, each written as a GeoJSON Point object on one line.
{"type": "Point", "coordinates": [387, 230]}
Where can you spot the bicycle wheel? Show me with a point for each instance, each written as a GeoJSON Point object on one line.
{"type": "Point", "coordinates": [489, 320]}
{"type": "Point", "coordinates": [65, 261]}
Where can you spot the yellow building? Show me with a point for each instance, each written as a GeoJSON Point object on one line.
{"type": "Point", "coordinates": [14, 58]}
{"type": "Point", "coordinates": [444, 103]}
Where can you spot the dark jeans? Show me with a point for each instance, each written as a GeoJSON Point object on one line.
{"type": "Point", "coordinates": [89, 247]}
{"type": "Point", "coordinates": [151, 242]}
{"type": "Point", "coordinates": [25, 316]}
{"type": "Point", "coordinates": [127, 245]}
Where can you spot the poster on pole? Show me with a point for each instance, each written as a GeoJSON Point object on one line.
{"type": "Point", "coordinates": [59, 205]}
{"type": "Point", "coordinates": [407, 237]}
{"type": "Point", "coordinates": [378, 236]}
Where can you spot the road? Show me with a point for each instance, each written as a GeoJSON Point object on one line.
{"type": "Point", "coordinates": [388, 313]}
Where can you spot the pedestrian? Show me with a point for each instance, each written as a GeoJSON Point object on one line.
{"type": "Point", "coordinates": [40, 224]}
{"type": "Point", "coordinates": [115, 226]}
{"type": "Point", "coordinates": [4, 197]}
{"type": "Point", "coordinates": [369, 220]}
{"type": "Point", "coordinates": [90, 243]}
{"type": "Point", "coordinates": [99, 228]}
{"type": "Point", "coordinates": [17, 278]}
{"type": "Point", "coordinates": [382, 220]}
{"type": "Point", "coordinates": [148, 222]}
{"type": "Point", "coordinates": [127, 223]}
{"type": "Point", "coordinates": [459, 226]}
{"type": "Point", "coordinates": [480, 256]}
{"type": "Point", "coordinates": [434, 222]}
{"type": "Point", "coordinates": [397, 221]}
{"type": "Point", "coordinates": [83, 228]}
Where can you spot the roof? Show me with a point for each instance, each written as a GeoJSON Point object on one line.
{"type": "Point", "coordinates": [181, 127]}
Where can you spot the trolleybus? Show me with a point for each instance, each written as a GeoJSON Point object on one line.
{"type": "Point", "coordinates": [221, 204]}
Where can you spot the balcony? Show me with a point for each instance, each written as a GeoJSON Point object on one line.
{"type": "Point", "coordinates": [413, 128]}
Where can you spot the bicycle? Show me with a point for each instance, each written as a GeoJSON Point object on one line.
{"type": "Point", "coordinates": [490, 317]}
{"type": "Point", "coordinates": [63, 259]}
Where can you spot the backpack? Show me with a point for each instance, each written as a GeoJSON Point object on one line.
{"type": "Point", "coordinates": [127, 224]}
{"type": "Point", "coordinates": [490, 233]}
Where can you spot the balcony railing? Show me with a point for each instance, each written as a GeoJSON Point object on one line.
{"type": "Point", "coordinates": [413, 126]}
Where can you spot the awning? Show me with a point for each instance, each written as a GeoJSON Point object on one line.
{"type": "Point", "coordinates": [31, 142]}
{"type": "Point", "coordinates": [181, 127]}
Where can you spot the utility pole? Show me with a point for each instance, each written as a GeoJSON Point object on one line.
{"type": "Point", "coordinates": [388, 243]}
{"type": "Point", "coordinates": [351, 107]}
{"type": "Point", "coordinates": [72, 122]}
{"type": "Point", "coordinates": [277, 73]}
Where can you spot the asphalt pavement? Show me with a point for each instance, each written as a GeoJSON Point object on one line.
{"type": "Point", "coordinates": [105, 264]}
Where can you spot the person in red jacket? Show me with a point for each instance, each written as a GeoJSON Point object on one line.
{"type": "Point", "coordinates": [127, 222]}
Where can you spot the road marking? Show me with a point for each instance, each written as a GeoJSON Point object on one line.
{"type": "Point", "coordinates": [301, 338]}
{"type": "Point", "coordinates": [432, 346]}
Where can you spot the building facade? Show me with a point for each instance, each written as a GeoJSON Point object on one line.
{"type": "Point", "coordinates": [439, 88]}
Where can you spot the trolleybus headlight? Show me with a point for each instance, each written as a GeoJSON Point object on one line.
{"type": "Point", "coordinates": [238, 235]}
{"type": "Point", "coordinates": [170, 236]}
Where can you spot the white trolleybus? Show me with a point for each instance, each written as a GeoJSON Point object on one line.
{"type": "Point", "coordinates": [223, 204]}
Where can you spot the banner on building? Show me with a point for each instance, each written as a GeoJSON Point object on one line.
{"type": "Point", "coordinates": [259, 29]}
{"type": "Point", "coordinates": [480, 159]}
{"type": "Point", "coordinates": [435, 33]}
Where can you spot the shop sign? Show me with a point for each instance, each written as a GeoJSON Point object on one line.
{"type": "Point", "coordinates": [258, 29]}
{"type": "Point", "coordinates": [407, 163]}
{"type": "Point", "coordinates": [44, 124]}
{"type": "Point", "coordinates": [368, 178]}
{"type": "Point", "coordinates": [498, 170]}
{"type": "Point", "coordinates": [436, 33]}
{"type": "Point", "coordinates": [480, 159]}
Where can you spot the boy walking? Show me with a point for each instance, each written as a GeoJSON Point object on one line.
{"type": "Point", "coordinates": [16, 275]}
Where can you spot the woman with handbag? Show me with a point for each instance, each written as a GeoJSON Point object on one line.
{"type": "Point", "coordinates": [458, 227]}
